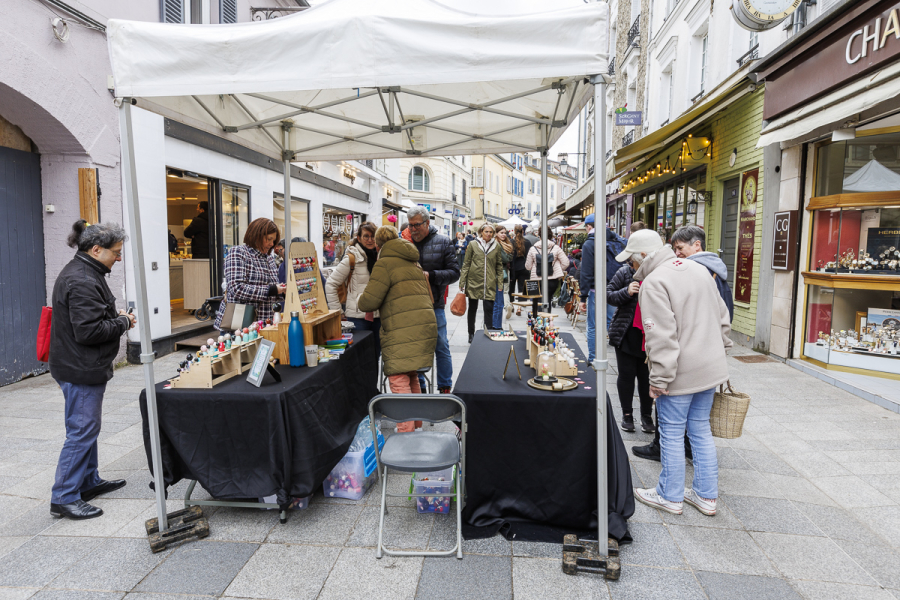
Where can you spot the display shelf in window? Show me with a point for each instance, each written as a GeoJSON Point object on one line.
{"type": "Point", "coordinates": [861, 241]}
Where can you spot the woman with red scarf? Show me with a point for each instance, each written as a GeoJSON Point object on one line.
{"type": "Point", "coordinates": [626, 334]}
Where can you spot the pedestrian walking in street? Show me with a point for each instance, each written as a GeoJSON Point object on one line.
{"type": "Point", "coordinates": [521, 246]}
{"type": "Point", "coordinates": [354, 270]}
{"type": "Point", "coordinates": [84, 343]}
{"type": "Point", "coordinates": [438, 259]}
{"type": "Point", "coordinates": [506, 254]}
{"type": "Point", "coordinates": [557, 263]}
{"type": "Point", "coordinates": [398, 290]}
{"type": "Point", "coordinates": [626, 334]}
{"type": "Point", "coordinates": [481, 273]}
{"type": "Point", "coordinates": [460, 244]}
{"type": "Point", "coordinates": [251, 276]}
{"type": "Point", "coordinates": [686, 332]}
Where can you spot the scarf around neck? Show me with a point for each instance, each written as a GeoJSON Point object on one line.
{"type": "Point", "coordinates": [371, 257]}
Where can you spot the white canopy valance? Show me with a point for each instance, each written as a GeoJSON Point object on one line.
{"type": "Point", "coordinates": [373, 79]}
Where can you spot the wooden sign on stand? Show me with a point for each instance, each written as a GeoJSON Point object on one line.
{"type": "Point", "coordinates": [304, 295]}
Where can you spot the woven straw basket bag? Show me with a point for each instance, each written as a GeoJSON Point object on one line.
{"type": "Point", "coordinates": [726, 419]}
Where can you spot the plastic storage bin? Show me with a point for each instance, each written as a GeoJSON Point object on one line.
{"type": "Point", "coordinates": [354, 475]}
{"type": "Point", "coordinates": [437, 483]}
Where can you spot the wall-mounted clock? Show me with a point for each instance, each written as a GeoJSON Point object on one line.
{"type": "Point", "coordinates": [759, 15]}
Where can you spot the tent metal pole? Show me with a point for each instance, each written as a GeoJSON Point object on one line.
{"type": "Point", "coordinates": [286, 156]}
{"type": "Point", "coordinates": [601, 364]}
{"type": "Point", "coordinates": [129, 174]}
{"type": "Point", "coordinates": [545, 276]}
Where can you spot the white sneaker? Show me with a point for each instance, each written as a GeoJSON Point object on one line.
{"type": "Point", "coordinates": [649, 497]}
{"type": "Point", "coordinates": [509, 311]}
{"type": "Point", "coordinates": [707, 507]}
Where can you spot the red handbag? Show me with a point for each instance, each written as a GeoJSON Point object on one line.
{"type": "Point", "coordinates": [43, 334]}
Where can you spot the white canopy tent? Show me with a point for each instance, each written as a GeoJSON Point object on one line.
{"type": "Point", "coordinates": [362, 79]}
{"type": "Point", "coordinates": [513, 221]}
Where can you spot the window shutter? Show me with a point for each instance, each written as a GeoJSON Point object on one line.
{"type": "Point", "coordinates": [227, 11]}
{"type": "Point", "coordinates": [508, 183]}
{"type": "Point", "coordinates": [172, 11]}
{"type": "Point", "coordinates": [479, 177]}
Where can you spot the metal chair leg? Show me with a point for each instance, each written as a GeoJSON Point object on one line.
{"type": "Point", "coordinates": [379, 550]}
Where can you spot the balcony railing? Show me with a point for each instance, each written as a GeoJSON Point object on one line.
{"type": "Point", "coordinates": [629, 138]}
{"type": "Point", "coordinates": [752, 54]}
{"type": "Point", "coordinates": [591, 171]}
{"type": "Point", "coordinates": [612, 66]}
{"type": "Point", "coordinates": [698, 96]}
{"type": "Point", "coordinates": [635, 30]}
{"type": "Point", "coordinates": [453, 197]}
{"type": "Point", "coordinates": [608, 154]}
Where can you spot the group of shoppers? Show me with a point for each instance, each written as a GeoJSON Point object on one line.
{"type": "Point", "coordinates": [669, 323]}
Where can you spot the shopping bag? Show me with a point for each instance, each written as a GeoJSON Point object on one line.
{"type": "Point", "coordinates": [43, 334]}
{"type": "Point", "coordinates": [458, 306]}
{"type": "Point", "coordinates": [237, 316]}
{"type": "Point", "coordinates": [726, 419]}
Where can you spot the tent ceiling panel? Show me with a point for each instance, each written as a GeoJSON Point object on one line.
{"type": "Point", "coordinates": [366, 79]}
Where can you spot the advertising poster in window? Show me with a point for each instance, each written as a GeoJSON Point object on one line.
{"type": "Point", "coordinates": [743, 280]}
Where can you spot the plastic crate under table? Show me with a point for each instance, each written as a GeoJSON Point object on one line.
{"type": "Point", "coordinates": [354, 475]}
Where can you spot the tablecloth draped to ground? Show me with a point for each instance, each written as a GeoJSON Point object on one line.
{"type": "Point", "coordinates": [240, 441]}
{"type": "Point", "coordinates": [532, 455]}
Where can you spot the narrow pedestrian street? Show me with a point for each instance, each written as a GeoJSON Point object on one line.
{"type": "Point", "coordinates": [809, 508]}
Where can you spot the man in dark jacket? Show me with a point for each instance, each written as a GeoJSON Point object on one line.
{"type": "Point", "coordinates": [437, 255]}
{"type": "Point", "coordinates": [614, 245]}
{"type": "Point", "coordinates": [84, 342]}
{"type": "Point", "coordinates": [198, 231]}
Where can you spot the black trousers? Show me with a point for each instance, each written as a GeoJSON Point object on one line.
{"type": "Point", "coordinates": [517, 283]}
{"type": "Point", "coordinates": [633, 368]}
{"type": "Point", "coordinates": [488, 306]}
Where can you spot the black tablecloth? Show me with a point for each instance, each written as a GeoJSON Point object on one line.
{"type": "Point", "coordinates": [240, 441]}
{"type": "Point", "coordinates": [532, 455]}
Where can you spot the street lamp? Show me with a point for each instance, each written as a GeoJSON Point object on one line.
{"type": "Point", "coordinates": [563, 162]}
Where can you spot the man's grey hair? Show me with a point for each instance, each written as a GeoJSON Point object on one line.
{"type": "Point", "coordinates": [418, 211]}
{"type": "Point", "coordinates": [106, 235]}
{"type": "Point", "coordinates": [689, 234]}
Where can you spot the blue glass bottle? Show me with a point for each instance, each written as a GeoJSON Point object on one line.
{"type": "Point", "coordinates": [296, 348]}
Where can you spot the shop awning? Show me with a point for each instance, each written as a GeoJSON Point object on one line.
{"type": "Point", "coordinates": [834, 108]}
{"type": "Point", "coordinates": [726, 93]}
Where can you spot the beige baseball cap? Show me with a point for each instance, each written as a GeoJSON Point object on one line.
{"type": "Point", "coordinates": [642, 240]}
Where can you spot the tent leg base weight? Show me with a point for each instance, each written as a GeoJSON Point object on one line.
{"type": "Point", "coordinates": [584, 557]}
{"type": "Point", "coordinates": [183, 525]}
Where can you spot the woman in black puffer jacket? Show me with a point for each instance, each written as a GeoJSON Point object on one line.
{"type": "Point", "coordinates": [628, 340]}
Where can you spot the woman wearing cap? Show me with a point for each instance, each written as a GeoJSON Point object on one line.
{"type": "Point", "coordinates": [686, 333]}
{"type": "Point", "coordinates": [626, 334]}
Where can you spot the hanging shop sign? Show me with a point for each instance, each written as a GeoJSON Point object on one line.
{"type": "Point", "coordinates": [784, 244]}
{"type": "Point", "coordinates": [743, 280]}
{"type": "Point", "coordinates": [759, 15]}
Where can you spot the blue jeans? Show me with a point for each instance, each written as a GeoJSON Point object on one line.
{"type": "Point", "coordinates": [363, 325]}
{"type": "Point", "coordinates": [498, 309]}
{"type": "Point", "coordinates": [674, 414]}
{"type": "Point", "coordinates": [77, 468]}
{"type": "Point", "coordinates": [443, 362]}
{"type": "Point", "coordinates": [610, 313]}
{"type": "Point", "coordinates": [591, 327]}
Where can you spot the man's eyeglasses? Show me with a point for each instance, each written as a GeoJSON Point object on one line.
{"type": "Point", "coordinates": [416, 225]}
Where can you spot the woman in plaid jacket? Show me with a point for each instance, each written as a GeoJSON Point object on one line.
{"type": "Point", "coordinates": [251, 276]}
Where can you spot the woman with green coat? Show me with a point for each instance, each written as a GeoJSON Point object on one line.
{"type": "Point", "coordinates": [398, 290]}
{"type": "Point", "coordinates": [482, 274]}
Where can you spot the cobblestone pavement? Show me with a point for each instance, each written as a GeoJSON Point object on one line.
{"type": "Point", "coordinates": [808, 509]}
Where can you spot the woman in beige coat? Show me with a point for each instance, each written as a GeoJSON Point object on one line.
{"type": "Point", "coordinates": [362, 253]}
{"type": "Point", "coordinates": [557, 263]}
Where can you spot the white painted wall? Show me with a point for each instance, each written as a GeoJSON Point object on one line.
{"type": "Point", "coordinates": [154, 152]}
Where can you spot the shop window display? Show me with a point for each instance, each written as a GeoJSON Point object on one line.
{"type": "Point", "coordinates": [853, 294]}
{"type": "Point", "coordinates": [337, 230]}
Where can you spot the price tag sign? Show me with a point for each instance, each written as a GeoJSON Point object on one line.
{"type": "Point", "coordinates": [261, 362]}
{"type": "Point", "coordinates": [532, 288]}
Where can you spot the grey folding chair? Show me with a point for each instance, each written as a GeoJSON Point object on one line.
{"type": "Point", "coordinates": [420, 451]}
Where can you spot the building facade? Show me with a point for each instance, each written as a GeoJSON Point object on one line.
{"type": "Point", "coordinates": [59, 130]}
{"type": "Point", "coordinates": [442, 186]}
{"type": "Point", "coordinates": [832, 122]}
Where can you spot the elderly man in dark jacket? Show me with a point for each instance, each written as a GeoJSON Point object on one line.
{"type": "Point", "coordinates": [84, 342]}
{"type": "Point", "coordinates": [437, 255]}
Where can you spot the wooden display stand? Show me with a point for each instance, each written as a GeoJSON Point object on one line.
{"type": "Point", "coordinates": [562, 365]}
{"type": "Point", "coordinates": [319, 323]}
{"type": "Point", "coordinates": [213, 370]}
